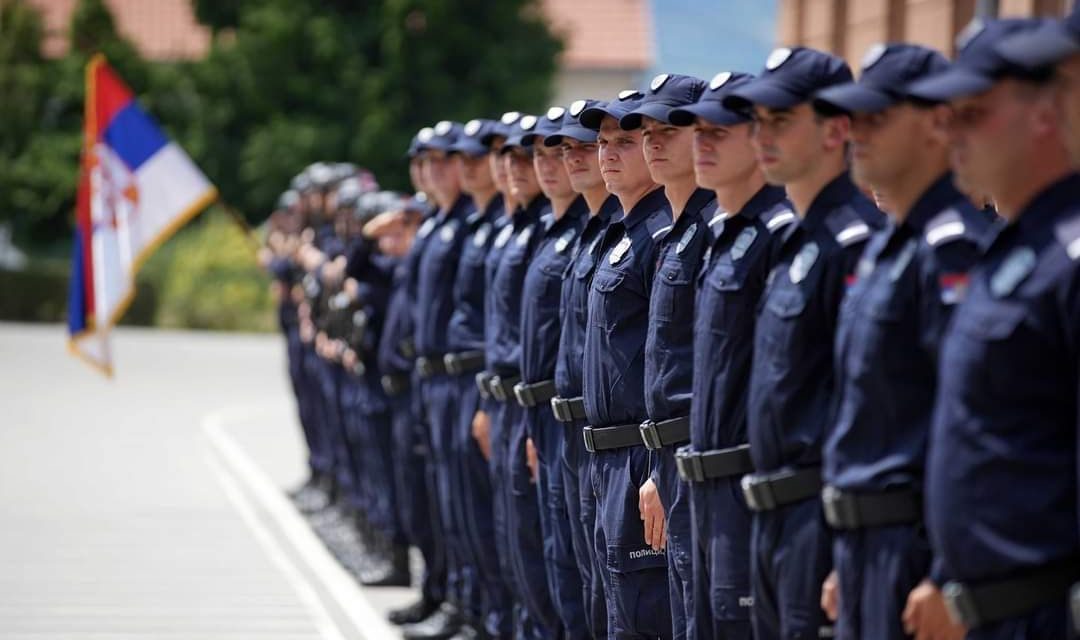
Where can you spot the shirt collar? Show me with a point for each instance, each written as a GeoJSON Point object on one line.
{"type": "Point", "coordinates": [939, 196]}
{"type": "Point", "coordinates": [651, 202]}
{"type": "Point", "coordinates": [765, 198]}
{"type": "Point", "coordinates": [840, 190]}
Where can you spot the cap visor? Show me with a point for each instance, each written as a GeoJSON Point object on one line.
{"type": "Point", "coordinates": [711, 111]}
{"type": "Point", "coordinates": [655, 110]}
{"type": "Point", "coordinates": [469, 147]}
{"type": "Point", "coordinates": [1040, 48]}
{"type": "Point", "coordinates": [765, 93]}
{"type": "Point", "coordinates": [951, 83]}
{"type": "Point", "coordinates": [592, 117]}
{"type": "Point", "coordinates": [576, 132]}
{"type": "Point", "coordinates": [854, 98]}
{"type": "Point", "coordinates": [521, 140]}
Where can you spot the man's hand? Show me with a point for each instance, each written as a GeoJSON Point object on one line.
{"type": "Point", "coordinates": [481, 432]}
{"type": "Point", "coordinates": [926, 617]}
{"type": "Point", "coordinates": [830, 596]}
{"type": "Point", "coordinates": [531, 459]}
{"type": "Point", "coordinates": [349, 359]}
{"type": "Point", "coordinates": [652, 513]}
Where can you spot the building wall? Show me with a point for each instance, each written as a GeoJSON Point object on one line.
{"type": "Point", "coordinates": [576, 84]}
{"type": "Point", "coordinates": [849, 27]}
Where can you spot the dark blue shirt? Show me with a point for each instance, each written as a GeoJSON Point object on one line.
{"type": "Point", "coordinates": [742, 252]}
{"type": "Point", "coordinates": [669, 340]}
{"type": "Point", "coordinates": [466, 330]}
{"type": "Point", "coordinates": [435, 279]}
{"type": "Point", "coordinates": [573, 305]}
{"type": "Point", "coordinates": [397, 326]}
{"type": "Point", "coordinates": [613, 371]}
{"type": "Point", "coordinates": [503, 310]}
{"type": "Point", "coordinates": [791, 380]}
{"type": "Point", "coordinates": [1001, 472]}
{"type": "Point", "coordinates": [541, 291]}
{"type": "Point", "coordinates": [908, 281]}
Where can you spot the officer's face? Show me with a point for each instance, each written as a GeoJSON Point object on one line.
{"type": "Point", "coordinates": [315, 201]}
{"type": "Point", "coordinates": [622, 162]}
{"type": "Point", "coordinates": [1068, 103]}
{"type": "Point", "coordinates": [582, 163]}
{"type": "Point", "coordinates": [521, 175]}
{"type": "Point", "coordinates": [887, 145]}
{"type": "Point", "coordinates": [988, 133]}
{"type": "Point", "coordinates": [554, 181]}
{"type": "Point", "coordinates": [498, 165]}
{"type": "Point", "coordinates": [790, 142]}
{"type": "Point", "coordinates": [669, 150]}
{"type": "Point", "coordinates": [416, 173]}
{"type": "Point", "coordinates": [441, 174]}
{"type": "Point", "coordinates": [722, 155]}
{"type": "Point", "coordinates": [475, 173]}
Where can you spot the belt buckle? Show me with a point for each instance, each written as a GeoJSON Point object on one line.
{"type": "Point", "coordinates": [758, 493]}
{"type": "Point", "coordinates": [650, 436]}
{"type": "Point", "coordinates": [961, 605]}
{"type": "Point", "coordinates": [387, 384]}
{"type": "Point", "coordinates": [557, 405]}
{"type": "Point", "coordinates": [1074, 607]}
{"type": "Point", "coordinates": [497, 390]}
{"type": "Point", "coordinates": [690, 465]}
{"type": "Point", "coordinates": [450, 361]}
{"type": "Point", "coordinates": [482, 384]}
{"type": "Point", "coordinates": [523, 395]}
{"type": "Point", "coordinates": [590, 442]}
{"type": "Point", "coordinates": [423, 367]}
{"type": "Point", "coordinates": [841, 512]}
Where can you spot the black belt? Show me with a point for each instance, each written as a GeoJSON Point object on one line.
{"type": "Point", "coordinates": [657, 435]}
{"type": "Point", "coordinates": [458, 364]}
{"type": "Point", "coordinates": [845, 510]}
{"type": "Point", "coordinates": [407, 348]}
{"type": "Point", "coordinates": [502, 387]}
{"type": "Point", "coordinates": [483, 383]}
{"type": "Point", "coordinates": [530, 395]}
{"type": "Point", "coordinates": [568, 409]}
{"type": "Point", "coordinates": [429, 367]}
{"type": "Point", "coordinates": [710, 465]}
{"type": "Point", "coordinates": [767, 491]}
{"type": "Point", "coordinates": [978, 605]}
{"type": "Point", "coordinates": [394, 384]}
{"type": "Point", "coordinates": [618, 437]}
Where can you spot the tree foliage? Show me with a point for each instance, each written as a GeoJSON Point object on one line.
{"type": "Point", "coordinates": [286, 83]}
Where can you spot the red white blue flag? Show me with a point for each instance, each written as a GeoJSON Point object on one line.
{"type": "Point", "coordinates": [136, 188]}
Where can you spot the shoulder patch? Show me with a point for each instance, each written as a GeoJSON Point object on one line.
{"type": "Point", "coordinates": [847, 227]}
{"type": "Point", "coordinates": [779, 219]}
{"type": "Point", "coordinates": [1068, 234]}
{"type": "Point", "coordinates": [945, 227]}
{"type": "Point", "coordinates": [504, 236]}
{"type": "Point", "coordinates": [482, 234]}
{"type": "Point", "coordinates": [524, 235]}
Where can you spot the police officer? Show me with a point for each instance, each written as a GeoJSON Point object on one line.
{"type": "Point", "coordinates": [436, 270]}
{"type": "Point", "coordinates": [540, 293]}
{"type": "Point", "coordinates": [579, 149]}
{"type": "Point", "coordinates": [1001, 473]}
{"type": "Point", "coordinates": [488, 605]}
{"type": "Point", "coordinates": [515, 244]}
{"type": "Point", "coordinates": [792, 376]}
{"type": "Point", "coordinates": [742, 239]}
{"type": "Point", "coordinates": [668, 151]}
{"type": "Point", "coordinates": [613, 376]}
{"type": "Point", "coordinates": [908, 282]}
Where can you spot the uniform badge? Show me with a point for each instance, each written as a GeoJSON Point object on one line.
{"type": "Point", "coordinates": [873, 55]}
{"type": "Point", "coordinates": [577, 107]}
{"type": "Point", "coordinates": [658, 82]}
{"type": "Point", "coordinates": [443, 127]}
{"type": "Point", "coordinates": [523, 237]}
{"type": "Point", "coordinates": [425, 134]}
{"type": "Point", "coordinates": [473, 127]}
{"type": "Point", "coordinates": [426, 228]}
{"type": "Point", "coordinates": [564, 241]}
{"type": "Point", "coordinates": [1016, 267]}
{"type": "Point", "coordinates": [504, 236]}
{"type": "Point", "coordinates": [359, 319]}
{"type": "Point", "coordinates": [619, 251]}
{"type": "Point", "coordinates": [687, 236]}
{"type": "Point", "coordinates": [554, 113]}
{"type": "Point", "coordinates": [527, 123]}
{"type": "Point", "coordinates": [446, 234]}
{"type": "Point", "coordinates": [510, 117]}
{"type": "Point", "coordinates": [481, 235]}
{"type": "Point", "coordinates": [627, 94]}
{"type": "Point", "coordinates": [777, 58]}
{"type": "Point", "coordinates": [743, 242]}
{"type": "Point", "coordinates": [720, 80]}
{"type": "Point", "coordinates": [803, 262]}
{"type": "Point", "coordinates": [902, 261]}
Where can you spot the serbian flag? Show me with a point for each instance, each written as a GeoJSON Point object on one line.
{"type": "Point", "coordinates": [136, 188]}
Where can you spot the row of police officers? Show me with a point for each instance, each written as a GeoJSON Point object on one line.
{"type": "Point", "coordinates": [776, 356]}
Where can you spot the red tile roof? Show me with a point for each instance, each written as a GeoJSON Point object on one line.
{"type": "Point", "coordinates": [600, 34]}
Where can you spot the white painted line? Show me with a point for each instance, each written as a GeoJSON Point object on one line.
{"type": "Point", "coordinates": [324, 623]}
{"type": "Point", "coordinates": [335, 580]}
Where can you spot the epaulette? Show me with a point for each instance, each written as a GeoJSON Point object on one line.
{"type": "Point", "coordinates": [658, 224]}
{"type": "Point", "coordinates": [847, 227]}
{"type": "Point", "coordinates": [779, 218]}
{"type": "Point", "coordinates": [717, 218]}
{"type": "Point", "coordinates": [547, 220]}
{"type": "Point", "coordinates": [945, 227]}
{"type": "Point", "coordinates": [661, 233]}
{"type": "Point", "coordinates": [474, 218]}
{"type": "Point", "coordinates": [1068, 234]}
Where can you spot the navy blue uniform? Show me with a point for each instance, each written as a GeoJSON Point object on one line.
{"type": "Point", "coordinates": [887, 342]}
{"type": "Point", "coordinates": [791, 385]}
{"type": "Point", "coordinates": [669, 364]}
{"type": "Point", "coordinates": [540, 327]}
{"type": "Point", "coordinates": [614, 392]}
{"type": "Point", "coordinates": [522, 511]}
{"type": "Point", "coordinates": [433, 307]}
{"type": "Point", "coordinates": [489, 600]}
{"type": "Point", "coordinates": [577, 484]}
{"type": "Point", "coordinates": [741, 251]}
{"type": "Point", "coordinates": [1001, 472]}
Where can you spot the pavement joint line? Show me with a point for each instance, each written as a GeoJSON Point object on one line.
{"type": "Point", "coordinates": [341, 586]}
{"type": "Point", "coordinates": [324, 623]}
